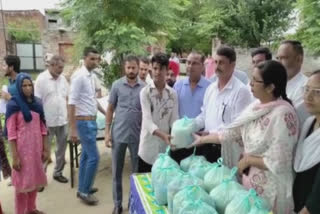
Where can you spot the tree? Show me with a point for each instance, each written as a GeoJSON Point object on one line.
{"type": "Point", "coordinates": [123, 26]}
{"type": "Point", "coordinates": [24, 31]}
{"type": "Point", "coordinates": [309, 26]}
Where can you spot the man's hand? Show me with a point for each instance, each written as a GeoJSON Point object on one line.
{"type": "Point", "coordinates": [108, 141]}
{"type": "Point", "coordinates": [16, 164]}
{"type": "Point", "coordinates": [5, 95]}
{"type": "Point", "coordinates": [197, 140]}
{"type": "Point", "coordinates": [73, 136]}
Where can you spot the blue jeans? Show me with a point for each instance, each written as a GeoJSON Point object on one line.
{"type": "Point", "coordinates": [87, 131]}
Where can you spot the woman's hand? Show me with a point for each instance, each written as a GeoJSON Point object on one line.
{"type": "Point", "coordinates": [243, 164]}
{"type": "Point", "coordinates": [45, 155]}
{"type": "Point", "coordinates": [16, 164]}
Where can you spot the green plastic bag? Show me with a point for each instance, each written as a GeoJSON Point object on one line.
{"type": "Point", "coordinates": [226, 191]}
{"type": "Point", "coordinates": [199, 168]}
{"type": "Point", "coordinates": [163, 161]}
{"type": "Point", "coordinates": [259, 207]}
{"type": "Point", "coordinates": [242, 203]}
{"type": "Point", "coordinates": [197, 207]}
{"type": "Point", "coordinates": [191, 193]}
{"type": "Point", "coordinates": [181, 132]}
{"type": "Point", "coordinates": [101, 121]}
{"type": "Point", "coordinates": [216, 175]}
{"type": "Point", "coordinates": [187, 162]}
{"type": "Point", "coordinates": [162, 178]}
{"type": "Point", "coordinates": [178, 183]}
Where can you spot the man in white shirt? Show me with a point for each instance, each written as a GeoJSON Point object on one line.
{"type": "Point", "coordinates": [83, 111]}
{"type": "Point", "coordinates": [224, 99]}
{"type": "Point", "coordinates": [159, 105]}
{"type": "Point", "coordinates": [52, 88]}
{"type": "Point", "coordinates": [290, 55]}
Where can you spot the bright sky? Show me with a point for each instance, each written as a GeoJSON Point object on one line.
{"type": "Point", "coordinates": [29, 4]}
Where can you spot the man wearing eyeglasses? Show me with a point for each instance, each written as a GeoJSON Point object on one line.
{"type": "Point", "coordinates": [224, 99]}
{"type": "Point", "coordinates": [290, 55]}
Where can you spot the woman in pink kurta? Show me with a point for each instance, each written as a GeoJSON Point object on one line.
{"type": "Point", "coordinates": [26, 132]}
{"type": "Point", "coordinates": [261, 140]}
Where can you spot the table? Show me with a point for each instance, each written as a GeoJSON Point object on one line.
{"type": "Point", "coordinates": [142, 200]}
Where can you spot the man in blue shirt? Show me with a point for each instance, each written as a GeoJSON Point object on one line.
{"type": "Point", "coordinates": [190, 92]}
{"type": "Point", "coordinates": [11, 68]}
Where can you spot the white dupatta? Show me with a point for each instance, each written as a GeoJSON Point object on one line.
{"type": "Point", "coordinates": [308, 149]}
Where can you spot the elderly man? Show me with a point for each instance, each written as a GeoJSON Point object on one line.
{"type": "Point", "coordinates": [224, 99]}
{"type": "Point", "coordinates": [52, 88]}
{"type": "Point", "coordinates": [190, 92]}
{"type": "Point", "coordinates": [172, 74]}
{"type": "Point", "coordinates": [290, 55]}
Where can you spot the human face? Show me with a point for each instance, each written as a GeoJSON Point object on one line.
{"type": "Point", "coordinates": [225, 67]}
{"type": "Point", "coordinates": [170, 78]}
{"type": "Point", "coordinates": [258, 88]}
{"type": "Point", "coordinates": [256, 59]}
{"type": "Point", "coordinates": [91, 61]}
{"type": "Point", "coordinates": [195, 66]}
{"type": "Point", "coordinates": [56, 69]}
{"type": "Point", "coordinates": [159, 73]}
{"type": "Point", "coordinates": [131, 69]}
{"type": "Point", "coordinates": [7, 70]}
{"type": "Point", "coordinates": [27, 88]}
{"type": "Point", "coordinates": [143, 70]}
{"type": "Point", "coordinates": [288, 57]}
{"type": "Point", "coordinates": [312, 95]}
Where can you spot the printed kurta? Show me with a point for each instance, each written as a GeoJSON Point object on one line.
{"type": "Point", "coordinates": [269, 131]}
{"type": "Point", "coordinates": [29, 144]}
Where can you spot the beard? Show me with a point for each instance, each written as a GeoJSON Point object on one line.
{"type": "Point", "coordinates": [170, 82]}
{"type": "Point", "coordinates": [131, 76]}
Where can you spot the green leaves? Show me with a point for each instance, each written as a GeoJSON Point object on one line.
{"type": "Point", "coordinates": [24, 31]}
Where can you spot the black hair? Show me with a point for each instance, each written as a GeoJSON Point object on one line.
{"type": "Point", "coordinates": [162, 59]}
{"type": "Point", "coordinates": [88, 50]}
{"type": "Point", "coordinates": [297, 46]}
{"type": "Point", "coordinates": [228, 52]}
{"type": "Point", "coordinates": [145, 60]}
{"type": "Point", "coordinates": [202, 56]}
{"type": "Point", "coordinates": [13, 61]}
{"type": "Point", "coordinates": [131, 58]}
{"type": "Point", "coordinates": [273, 72]}
{"type": "Point", "coordinates": [262, 50]}
{"type": "Point", "coordinates": [315, 72]}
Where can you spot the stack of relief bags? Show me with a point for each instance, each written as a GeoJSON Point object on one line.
{"type": "Point", "coordinates": [199, 187]}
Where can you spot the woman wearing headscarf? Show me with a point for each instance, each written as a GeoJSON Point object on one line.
{"type": "Point", "coordinates": [26, 132]}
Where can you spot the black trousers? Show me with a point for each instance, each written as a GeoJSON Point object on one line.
{"type": "Point", "coordinates": [143, 167]}
{"type": "Point", "coordinates": [210, 151]}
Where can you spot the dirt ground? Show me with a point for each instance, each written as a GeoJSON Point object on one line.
{"type": "Point", "coordinates": [61, 198]}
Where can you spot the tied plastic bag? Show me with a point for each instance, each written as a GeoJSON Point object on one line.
{"type": "Point", "coordinates": [101, 121]}
{"type": "Point", "coordinates": [163, 161]}
{"type": "Point", "coordinates": [258, 207]}
{"type": "Point", "coordinates": [191, 193]}
{"type": "Point", "coordinates": [216, 175]}
{"type": "Point", "coordinates": [181, 132]}
{"type": "Point", "coordinates": [197, 207]}
{"type": "Point", "coordinates": [178, 183]}
{"type": "Point", "coordinates": [226, 191]}
{"type": "Point", "coordinates": [199, 168]}
{"type": "Point", "coordinates": [242, 203]}
{"type": "Point", "coordinates": [187, 162]}
{"type": "Point", "coordinates": [162, 178]}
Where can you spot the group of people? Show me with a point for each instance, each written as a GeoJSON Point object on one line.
{"type": "Point", "coordinates": [267, 126]}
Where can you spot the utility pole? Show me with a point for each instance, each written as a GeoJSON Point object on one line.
{"type": "Point", "coordinates": [4, 28]}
